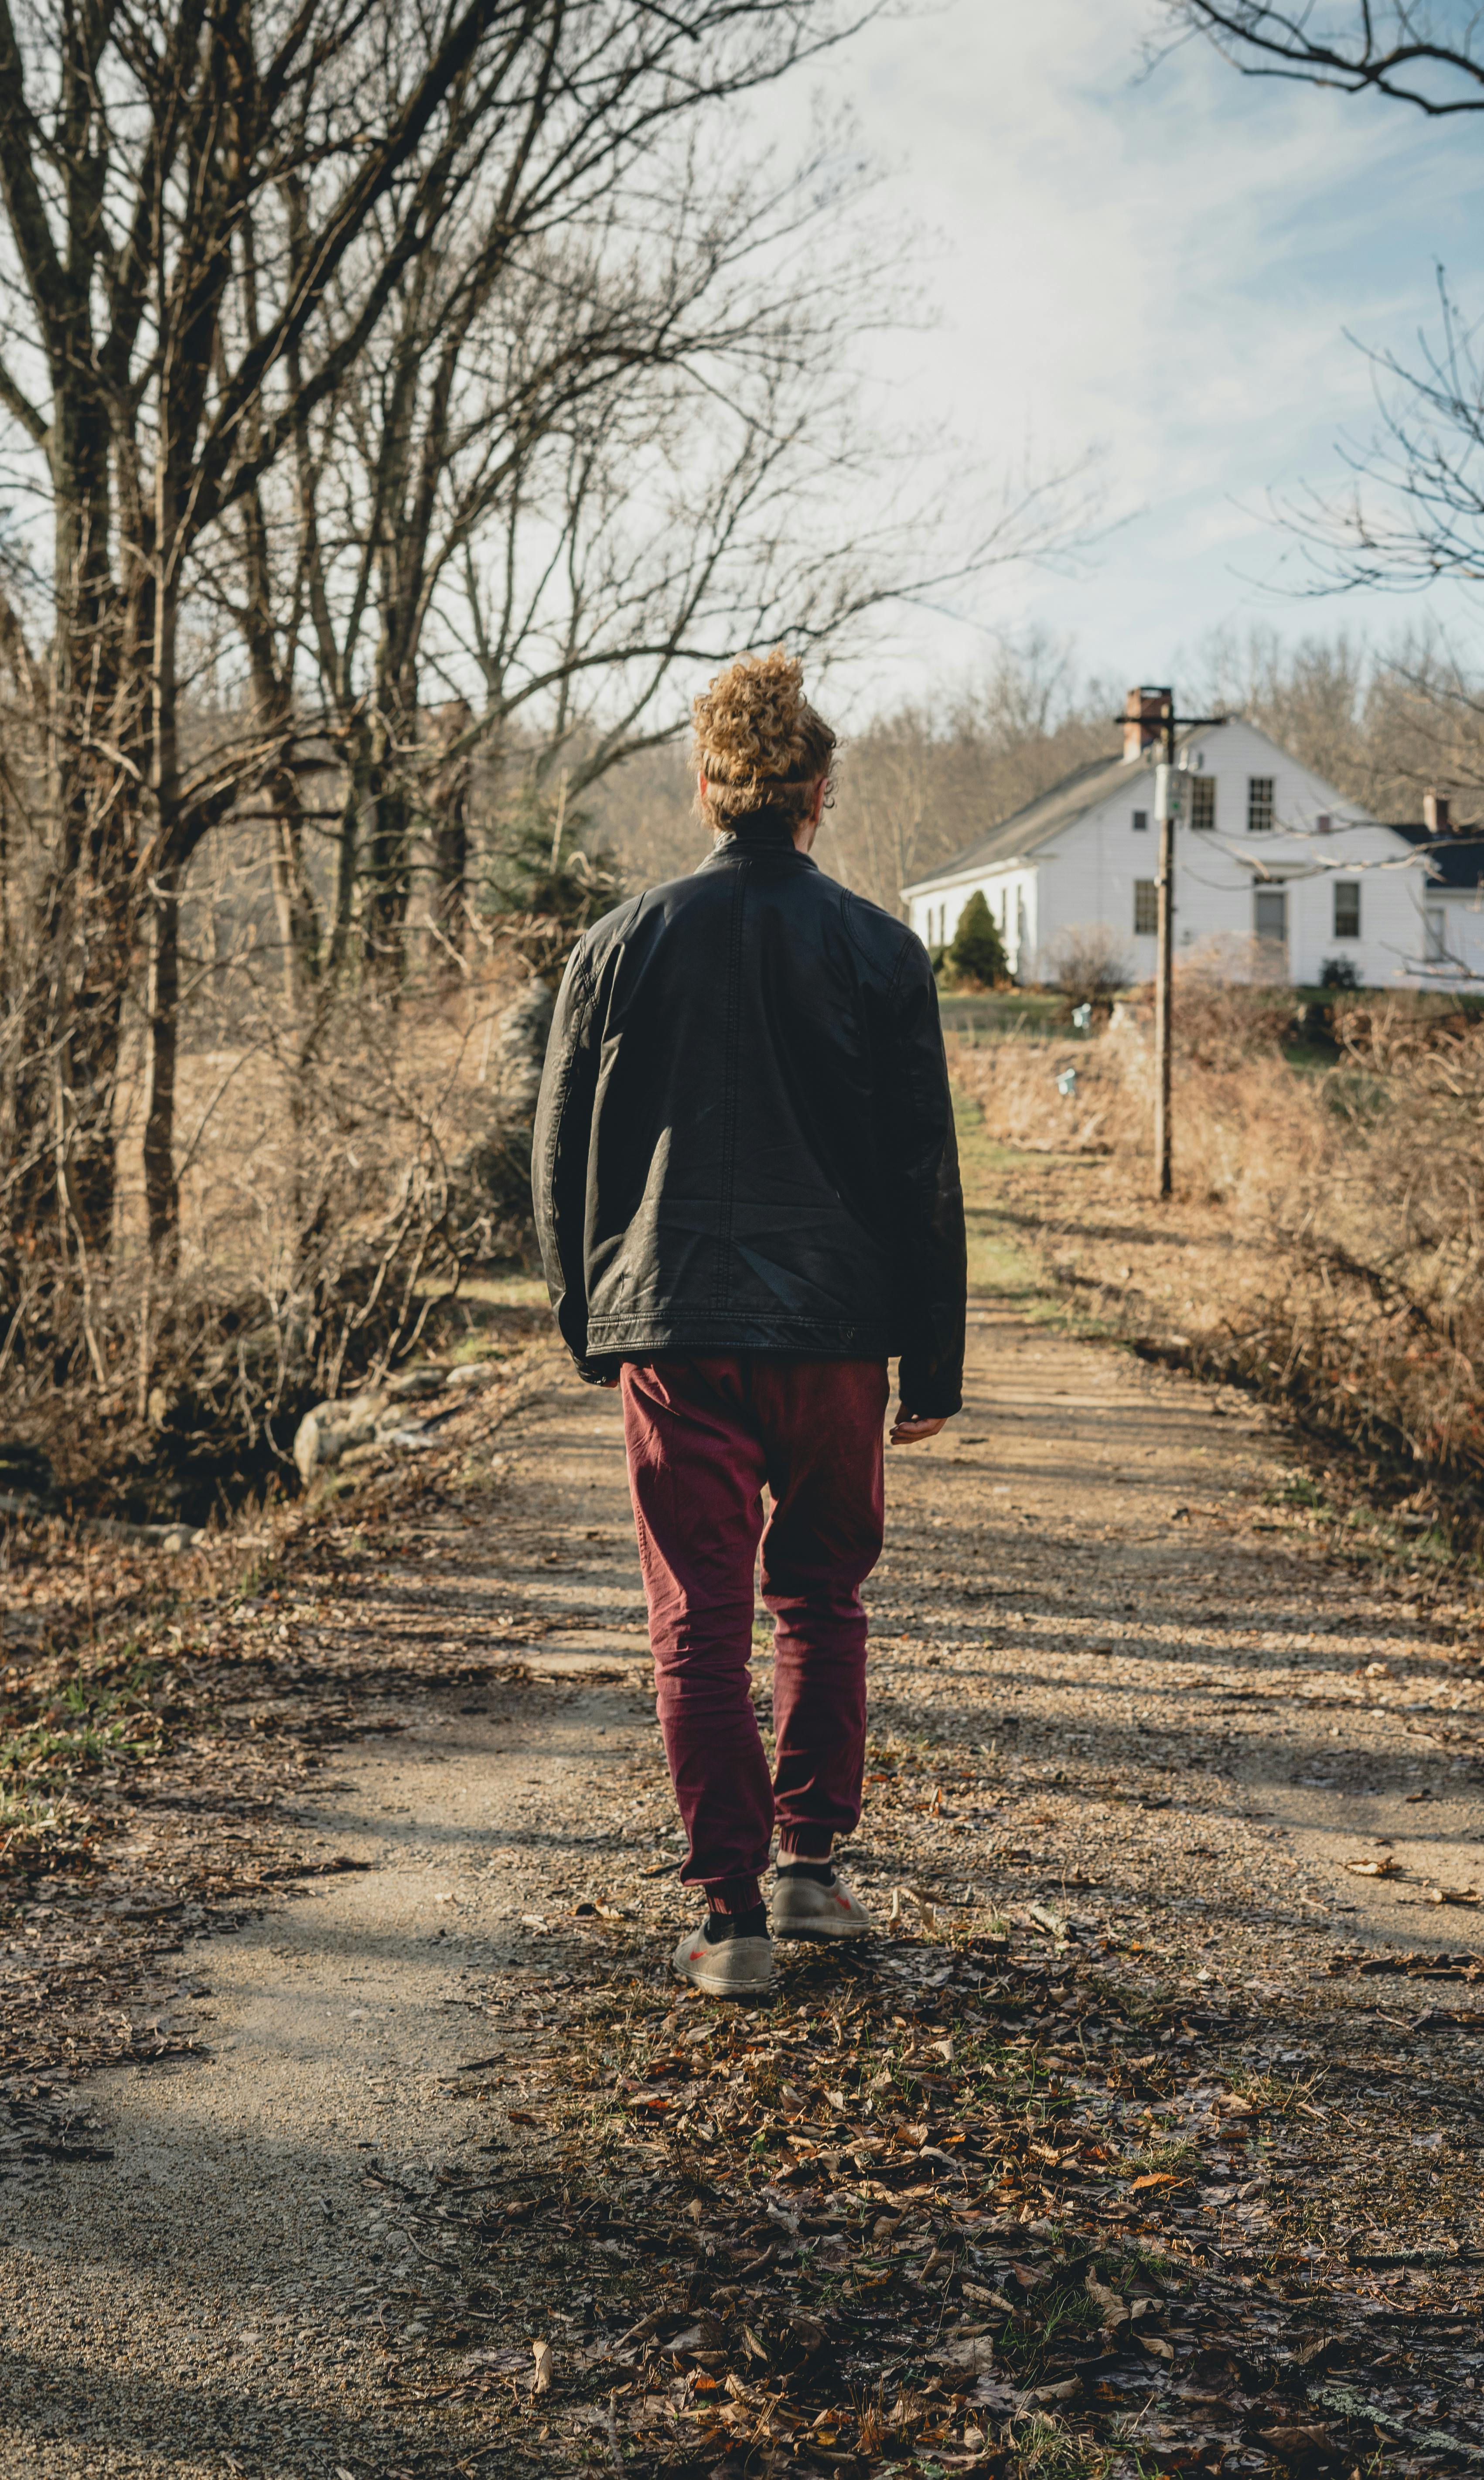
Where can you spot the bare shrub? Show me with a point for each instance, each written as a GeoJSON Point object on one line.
{"type": "Point", "coordinates": [1223, 1017]}
{"type": "Point", "coordinates": [1089, 960]}
{"type": "Point", "coordinates": [341, 1171]}
{"type": "Point", "coordinates": [1383, 1326]}
{"type": "Point", "coordinates": [1331, 1230]}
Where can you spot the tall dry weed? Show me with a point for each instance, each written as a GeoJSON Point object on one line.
{"type": "Point", "coordinates": [1343, 1212]}
{"type": "Point", "coordinates": [342, 1167]}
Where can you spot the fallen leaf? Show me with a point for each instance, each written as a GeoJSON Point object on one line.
{"type": "Point", "coordinates": [1297, 2445]}
{"type": "Point", "coordinates": [541, 2374]}
{"type": "Point", "coordinates": [1156, 2178]}
{"type": "Point", "coordinates": [1388, 1867]}
{"type": "Point", "coordinates": [975, 2351]}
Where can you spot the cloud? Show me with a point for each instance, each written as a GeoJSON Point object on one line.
{"type": "Point", "coordinates": [1164, 265]}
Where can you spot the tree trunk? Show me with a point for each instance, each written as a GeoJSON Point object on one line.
{"type": "Point", "coordinates": [449, 801]}
{"type": "Point", "coordinates": [162, 1002]}
{"type": "Point", "coordinates": [347, 848]}
{"type": "Point", "coordinates": [299, 924]}
{"type": "Point", "coordinates": [387, 883]}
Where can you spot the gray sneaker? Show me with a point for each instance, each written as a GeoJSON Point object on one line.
{"type": "Point", "coordinates": [733, 1967]}
{"type": "Point", "coordinates": [803, 1908]}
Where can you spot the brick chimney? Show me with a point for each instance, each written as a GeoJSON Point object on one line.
{"type": "Point", "coordinates": [1144, 713]}
{"type": "Point", "coordinates": [1435, 813]}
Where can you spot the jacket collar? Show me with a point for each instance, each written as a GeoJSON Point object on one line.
{"type": "Point", "coordinates": [767, 831]}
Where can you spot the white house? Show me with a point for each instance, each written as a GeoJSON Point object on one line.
{"type": "Point", "coordinates": [1265, 851]}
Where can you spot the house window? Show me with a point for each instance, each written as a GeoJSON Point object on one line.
{"type": "Point", "coordinates": [1146, 908]}
{"type": "Point", "coordinates": [1141, 822]}
{"type": "Point", "coordinates": [1260, 805]}
{"type": "Point", "coordinates": [1324, 824]}
{"type": "Point", "coordinates": [1347, 908]}
{"type": "Point", "coordinates": [1437, 935]}
{"type": "Point", "coordinates": [1203, 801]}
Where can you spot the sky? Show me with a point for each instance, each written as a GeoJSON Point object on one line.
{"type": "Point", "coordinates": [1159, 268]}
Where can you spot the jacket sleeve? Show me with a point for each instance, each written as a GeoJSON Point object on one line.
{"type": "Point", "coordinates": [558, 1159]}
{"type": "Point", "coordinates": [921, 1157]}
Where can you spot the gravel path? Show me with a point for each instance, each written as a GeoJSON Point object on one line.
{"type": "Point", "coordinates": [1115, 1682]}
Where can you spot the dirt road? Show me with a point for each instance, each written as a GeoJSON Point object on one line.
{"type": "Point", "coordinates": [1121, 1706]}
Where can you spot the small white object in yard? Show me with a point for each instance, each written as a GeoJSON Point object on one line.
{"type": "Point", "coordinates": [409, 1441]}
{"type": "Point", "coordinates": [472, 1373]}
{"type": "Point", "coordinates": [541, 2374]}
{"type": "Point", "coordinates": [1081, 1017]}
{"type": "Point", "coordinates": [1066, 1082]}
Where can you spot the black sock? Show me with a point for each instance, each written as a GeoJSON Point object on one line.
{"type": "Point", "coordinates": [720, 1925]}
{"type": "Point", "coordinates": [822, 1871]}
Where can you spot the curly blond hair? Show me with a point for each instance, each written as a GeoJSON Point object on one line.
{"type": "Point", "coordinates": [758, 742]}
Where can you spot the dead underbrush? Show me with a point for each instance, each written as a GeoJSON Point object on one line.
{"type": "Point", "coordinates": [1328, 1218]}
{"type": "Point", "coordinates": [343, 1168]}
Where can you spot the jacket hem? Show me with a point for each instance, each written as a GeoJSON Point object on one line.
{"type": "Point", "coordinates": [724, 1330]}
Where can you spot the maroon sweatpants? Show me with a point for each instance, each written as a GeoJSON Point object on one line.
{"type": "Point", "coordinates": [703, 1435]}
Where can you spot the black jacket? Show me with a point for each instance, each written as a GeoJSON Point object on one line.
{"type": "Point", "coordinates": [744, 1139]}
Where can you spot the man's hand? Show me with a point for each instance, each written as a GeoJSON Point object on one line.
{"type": "Point", "coordinates": [907, 1429]}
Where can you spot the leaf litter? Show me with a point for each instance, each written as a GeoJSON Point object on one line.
{"type": "Point", "coordinates": [1016, 2193]}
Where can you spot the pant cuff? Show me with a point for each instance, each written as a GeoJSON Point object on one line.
{"type": "Point", "coordinates": [805, 1842]}
{"type": "Point", "coordinates": [733, 1895]}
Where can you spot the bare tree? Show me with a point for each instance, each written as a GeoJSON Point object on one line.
{"type": "Point", "coordinates": [1412, 50]}
{"type": "Point", "coordinates": [209, 220]}
{"type": "Point", "coordinates": [1412, 512]}
{"type": "Point", "coordinates": [929, 780]}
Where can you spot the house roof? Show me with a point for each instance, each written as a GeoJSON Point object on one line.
{"type": "Point", "coordinates": [1028, 828]}
{"type": "Point", "coordinates": [1455, 859]}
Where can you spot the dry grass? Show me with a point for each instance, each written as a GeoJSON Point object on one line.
{"type": "Point", "coordinates": [1326, 1240]}
{"type": "Point", "coordinates": [340, 1166]}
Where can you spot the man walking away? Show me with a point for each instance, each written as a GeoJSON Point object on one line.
{"type": "Point", "coordinates": [748, 1194]}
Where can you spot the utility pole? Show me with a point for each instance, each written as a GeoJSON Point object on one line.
{"type": "Point", "coordinates": [1167, 794]}
{"type": "Point", "coordinates": [1152, 711]}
